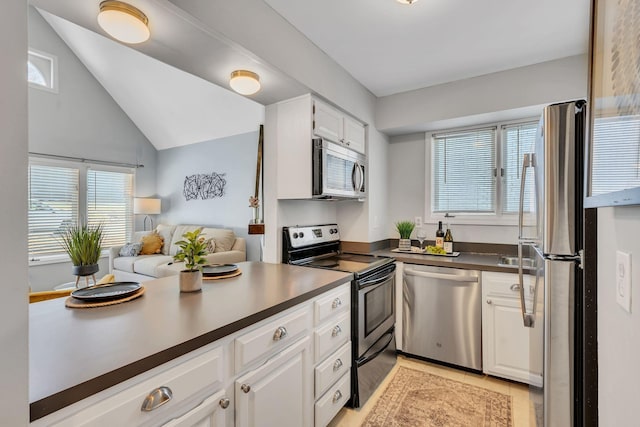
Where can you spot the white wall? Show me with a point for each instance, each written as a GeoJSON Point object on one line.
{"type": "Point", "coordinates": [618, 331]}
{"type": "Point", "coordinates": [235, 156]}
{"type": "Point", "coordinates": [14, 358]}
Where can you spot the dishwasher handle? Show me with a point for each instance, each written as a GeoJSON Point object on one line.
{"type": "Point", "coordinates": [444, 276]}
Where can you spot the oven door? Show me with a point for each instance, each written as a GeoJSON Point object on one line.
{"type": "Point", "coordinates": [338, 172]}
{"type": "Point", "coordinates": [376, 307]}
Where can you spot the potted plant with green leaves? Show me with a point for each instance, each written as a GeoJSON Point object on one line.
{"type": "Point", "coordinates": [193, 249]}
{"type": "Point", "coordinates": [83, 244]}
{"type": "Point", "coordinates": [405, 228]}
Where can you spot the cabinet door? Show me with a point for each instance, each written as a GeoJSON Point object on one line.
{"type": "Point", "coordinates": [211, 412]}
{"type": "Point", "coordinates": [354, 134]}
{"type": "Point", "coordinates": [505, 342]}
{"type": "Point", "coordinates": [327, 122]}
{"type": "Point", "coordinates": [278, 393]}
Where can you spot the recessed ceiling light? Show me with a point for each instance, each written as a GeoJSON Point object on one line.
{"type": "Point", "coordinates": [244, 82]}
{"type": "Point", "coordinates": [123, 22]}
{"type": "Point", "coordinates": [406, 1]}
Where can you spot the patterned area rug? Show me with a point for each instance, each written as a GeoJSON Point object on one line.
{"type": "Point", "coordinates": [415, 398]}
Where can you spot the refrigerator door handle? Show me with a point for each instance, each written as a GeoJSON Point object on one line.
{"type": "Point", "coordinates": [527, 318]}
{"type": "Point", "coordinates": [528, 161]}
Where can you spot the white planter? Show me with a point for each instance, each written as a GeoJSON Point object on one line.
{"type": "Point", "coordinates": [190, 281]}
{"type": "Point", "coordinates": [404, 244]}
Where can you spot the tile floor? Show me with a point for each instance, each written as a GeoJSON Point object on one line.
{"type": "Point", "coordinates": [522, 410]}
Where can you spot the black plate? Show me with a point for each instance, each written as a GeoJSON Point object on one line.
{"type": "Point", "coordinates": [110, 291]}
{"type": "Point", "coordinates": [219, 270]}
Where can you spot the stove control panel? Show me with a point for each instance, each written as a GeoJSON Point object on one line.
{"type": "Point", "coordinates": [311, 235]}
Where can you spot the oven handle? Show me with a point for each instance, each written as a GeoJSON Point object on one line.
{"type": "Point", "coordinates": [364, 359]}
{"type": "Point", "coordinates": [376, 281]}
{"type": "Point", "coordinates": [444, 276]}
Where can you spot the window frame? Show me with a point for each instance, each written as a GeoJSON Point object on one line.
{"type": "Point", "coordinates": [53, 70]}
{"type": "Point", "coordinates": [83, 168]}
{"type": "Point", "coordinates": [496, 218]}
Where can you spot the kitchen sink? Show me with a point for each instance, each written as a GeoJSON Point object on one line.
{"type": "Point", "coordinates": [512, 261]}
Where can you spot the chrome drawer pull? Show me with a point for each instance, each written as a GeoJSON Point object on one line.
{"type": "Point", "coordinates": [336, 303]}
{"type": "Point", "coordinates": [245, 387]}
{"type": "Point", "coordinates": [489, 301]}
{"type": "Point", "coordinates": [337, 396]}
{"type": "Point", "coordinates": [156, 398]}
{"type": "Point", "coordinates": [337, 365]}
{"type": "Point", "coordinates": [336, 331]}
{"type": "Point", "coordinates": [515, 287]}
{"type": "Point", "coordinates": [224, 403]}
{"type": "Point", "coordinates": [280, 333]}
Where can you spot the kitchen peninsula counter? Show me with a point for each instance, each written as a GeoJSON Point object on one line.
{"type": "Point", "coordinates": [75, 353]}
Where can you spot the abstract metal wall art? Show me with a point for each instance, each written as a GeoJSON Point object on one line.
{"type": "Point", "coordinates": [204, 186]}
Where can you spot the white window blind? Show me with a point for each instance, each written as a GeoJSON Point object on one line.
{"type": "Point", "coordinates": [516, 141]}
{"type": "Point", "coordinates": [463, 165]}
{"type": "Point", "coordinates": [53, 204]}
{"type": "Point", "coordinates": [109, 202]}
{"type": "Point", "coordinates": [616, 154]}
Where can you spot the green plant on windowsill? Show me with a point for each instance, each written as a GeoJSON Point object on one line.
{"type": "Point", "coordinates": [405, 228]}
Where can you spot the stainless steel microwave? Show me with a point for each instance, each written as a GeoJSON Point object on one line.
{"type": "Point", "coordinates": [338, 171]}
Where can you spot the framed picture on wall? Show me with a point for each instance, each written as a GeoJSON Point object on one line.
{"type": "Point", "coordinates": [613, 166]}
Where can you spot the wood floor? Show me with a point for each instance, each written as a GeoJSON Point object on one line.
{"type": "Point", "coordinates": [522, 410]}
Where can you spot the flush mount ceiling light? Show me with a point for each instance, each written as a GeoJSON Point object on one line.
{"type": "Point", "coordinates": [244, 82]}
{"type": "Point", "coordinates": [123, 22]}
{"type": "Point", "coordinates": [407, 1]}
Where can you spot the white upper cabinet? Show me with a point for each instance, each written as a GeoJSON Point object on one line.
{"type": "Point", "coordinates": [336, 126]}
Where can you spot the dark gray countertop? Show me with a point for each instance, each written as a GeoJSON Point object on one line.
{"type": "Point", "coordinates": [74, 353]}
{"type": "Point", "coordinates": [469, 261]}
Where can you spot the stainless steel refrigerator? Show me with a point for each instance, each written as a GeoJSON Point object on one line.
{"type": "Point", "coordinates": [550, 230]}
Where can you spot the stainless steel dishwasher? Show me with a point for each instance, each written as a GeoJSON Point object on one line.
{"type": "Point", "coordinates": [442, 312]}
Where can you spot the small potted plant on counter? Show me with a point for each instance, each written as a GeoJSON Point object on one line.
{"type": "Point", "coordinates": [193, 248]}
{"type": "Point", "coordinates": [405, 228]}
{"type": "Point", "coordinates": [83, 244]}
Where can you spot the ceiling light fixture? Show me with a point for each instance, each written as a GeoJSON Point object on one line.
{"type": "Point", "coordinates": [123, 22]}
{"type": "Point", "coordinates": [407, 1]}
{"type": "Point", "coordinates": [244, 82]}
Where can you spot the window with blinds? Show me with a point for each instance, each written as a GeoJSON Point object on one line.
{"type": "Point", "coordinates": [616, 154]}
{"type": "Point", "coordinates": [61, 195]}
{"type": "Point", "coordinates": [109, 202]}
{"type": "Point", "coordinates": [516, 141]}
{"type": "Point", "coordinates": [463, 165]}
{"type": "Point", "coordinates": [53, 204]}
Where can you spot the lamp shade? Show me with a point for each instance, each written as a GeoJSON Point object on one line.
{"type": "Point", "coordinates": [244, 82]}
{"type": "Point", "coordinates": [123, 22]}
{"type": "Point", "coordinates": [144, 206]}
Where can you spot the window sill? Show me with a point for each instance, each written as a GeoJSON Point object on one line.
{"type": "Point", "coordinates": [56, 259]}
{"type": "Point", "coordinates": [475, 220]}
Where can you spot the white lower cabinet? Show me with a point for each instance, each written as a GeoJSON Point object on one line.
{"type": "Point", "coordinates": [212, 412]}
{"type": "Point", "coordinates": [333, 400]}
{"type": "Point", "coordinates": [278, 392]}
{"type": "Point", "coordinates": [509, 349]}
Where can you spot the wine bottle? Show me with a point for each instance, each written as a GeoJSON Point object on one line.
{"type": "Point", "coordinates": [439, 236]}
{"type": "Point", "coordinates": [448, 241]}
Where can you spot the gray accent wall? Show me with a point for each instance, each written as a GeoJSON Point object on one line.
{"type": "Point", "coordinates": [234, 156]}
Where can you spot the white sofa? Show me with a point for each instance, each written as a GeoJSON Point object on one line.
{"type": "Point", "coordinates": [228, 249]}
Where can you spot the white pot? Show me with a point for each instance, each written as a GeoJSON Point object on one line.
{"type": "Point", "coordinates": [404, 244]}
{"type": "Point", "coordinates": [190, 281]}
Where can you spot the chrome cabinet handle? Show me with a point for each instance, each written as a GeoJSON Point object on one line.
{"type": "Point", "coordinates": [515, 287]}
{"type": "Point", "coordinates": [336, 303]}
{"type": "Point", "coordinates": [224, 403]}
{"type": "Point", "coordinates": [489, 301]}
{"type": "Point", "coordinates": [156, 398]}
{"type": "Point", "coordinates": [280, 333]}
{"type": "Point", "coordinates": [337, 365]}
{"type": "Point", "coordinates": [337, 396]}
{"type": "Point", "coordinates": [245, 387]}
{"type": "Point", "coordinates": [336, 331]}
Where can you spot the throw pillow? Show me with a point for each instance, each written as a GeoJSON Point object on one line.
{"type": "Point", "coordinates": [223, 237]}
{"type": "Point", "coordinates": [131, 249]}
{"type": "Point", "coordinates": [151, 244]}
{"type": "Point", "coordinates": [211, 246]}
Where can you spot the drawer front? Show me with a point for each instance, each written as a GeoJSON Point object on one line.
{"type": "Point", "coordinates": [181, 382]}
{"type": "Point", "coordinates": [333, 304]}
{"type": "Point", "coordinates": [333, 367]}
{"type": "Point", "coordinates": [270, 337]}
{"type": "Point", "coordinates": [328, 405]}
{"type": "Point", "coordinates": [331, 336]}
{"type": "Point", "coordinates": [506, 285]}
